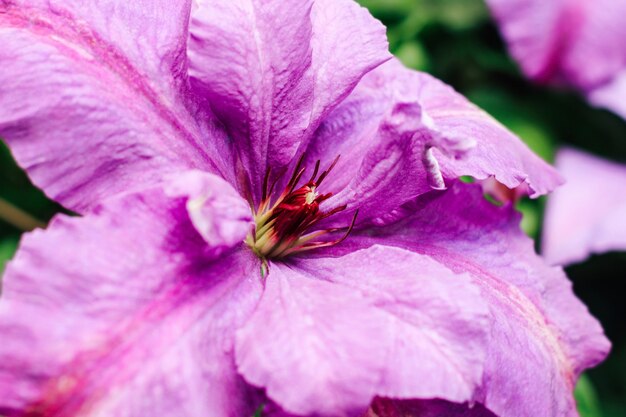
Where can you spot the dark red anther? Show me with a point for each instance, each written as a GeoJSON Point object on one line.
{"type": "Point", "coordinates": [299, 209]}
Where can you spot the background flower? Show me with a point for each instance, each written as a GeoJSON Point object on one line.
{"type": "Point", "coordinates": [577, 43]}
{"type": "Point", "coordinates": [586, 216]}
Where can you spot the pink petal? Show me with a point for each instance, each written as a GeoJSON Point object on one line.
{"type": "Point", "coordinates": [216, 210]}
{"type": "Point", "coordinates": [402, 133]}
{"type": "Point", "coordinates": [439, 318]}
{"type": "Point", "coordinates": [537, 32]}
{"type": "Point", "coordinates": [383, 407]}
{"type": "Point", "coordinates": [498, 152]}
{"type": "Point", "coordinates": [92, 96]}
{"type": "Point", "coordinates": [380, 321]}
{"type": "Point", "coordinates": [397, 166]}
{"type": "Point", "coordinates": [611, 95]}
{"type": "Point", "coordinates": [304, 334]}
{"type": "Point", "coordinates": [97, 322]}
{"type": "Point", "coordinates": [272, 70]}
{"type": "Point", "coordinates": [541, 336]}
{"type": "Point", "coordinates": [587, 214]}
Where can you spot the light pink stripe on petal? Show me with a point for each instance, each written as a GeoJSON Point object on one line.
{"type": "Point", "coordinates": [93, 97]}
{"type": "Point", "coordinates": [123, 313]}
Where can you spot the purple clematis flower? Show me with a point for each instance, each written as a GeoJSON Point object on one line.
{"type": "Point", "coordinates": [579, 43]}
{"type": "Point", "coordinates": [594, 192]}
{"type": "Point", "coordinates": [220, 264]}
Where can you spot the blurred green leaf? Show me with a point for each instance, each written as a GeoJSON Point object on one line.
{"type": "Point", "coordinates": [259, 411]}
{"type": "Point", "coordinates": [534, 136]}
{"type": "Point", "coordinates": [413, 55]}
{"type": "Point", "coordinates": [8, 246]}
{"type": "Point", "coordinates": [389, 8]}
{"type": "Point", "coordinates": [16, 188]}
{"type": "Point", "coordinates": [586, 398]}
{"type": "Point", "coordinates": [456, 14]}
{"type": "Point", "coordinates": [531, 217]}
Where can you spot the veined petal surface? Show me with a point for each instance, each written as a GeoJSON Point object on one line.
{"type": "Point", "coordinates": [378, 321]}
{"type": "Point", "coordinates": [541, 337]}
{"type": "Point", "coordinates": [272, 69]}
{"type": "Point", "coordinates": [94, 96]}
{"type": "Point", "coordinates": [406, 133]}
{"type": "Point", "coordinates": [587, 214]}
{"type": "Point", "coordinates": [122, 313]}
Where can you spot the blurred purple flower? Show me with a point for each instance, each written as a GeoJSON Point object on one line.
{"type": "Point", "coordinates": [580, 43]}
{"type": "Point", "coordinates": [587, 214]}
{"type": "Point", "coordinates": [151, 303]}
{"type": "Point", "coordinates": [583, 45]}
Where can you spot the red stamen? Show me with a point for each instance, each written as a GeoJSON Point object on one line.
{"type": "Point", "coordinates": [265, 183]}
{"type": "Point", "coordinates": [317, 168]}
{"type": "Point", "coordinates": [281, 228]}
{"type": "Point", "coordinates": [296, 179]}
{"type": "Point", "coordinates": [319, 245]}
{"type": "Point", "coordinates": [296, 171]}
{"type": "Point", "coordinates": [325, 173]}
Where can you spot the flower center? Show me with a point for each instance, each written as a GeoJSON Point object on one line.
{"type": "Point", "coordinates": [283, 227]}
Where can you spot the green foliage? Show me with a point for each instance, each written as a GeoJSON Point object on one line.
{"type": "Point", "coordinates": [259, 411]}
{"type": "Point", "coordinates": [8, 245]}
{"type": "Point", "coordinates": [586, 398]}
{"type": "Point", "coordinates": [16, 188]}
{"type": "Point", "coordinates": [531, 216]}
{"type": "Point", "coordinates": [412, 55]}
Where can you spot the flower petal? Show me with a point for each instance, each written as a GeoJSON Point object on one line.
{"type": "Point", "coordinates": [383, 407]}
{"type": "Point", "coordinates": [316, 336]}
{"type": "Point", "coordinates": [498, 152]}
{"type": "Point", "coordinates": [537, 32]}
{"type": "Point", "coordinates": [405, 133]}
{"type": "Point", "coordinates": [380, 321]}
{"type": "Point", "coordinates": [271, 77]}
{"type": "Point", "coordinates": [587, 214]}
{"type": "Point", "coordinates": [92, 96]}
{"type": "Point", "coordinates": [611, 94]}
{"type": "Point", "coordinates": [580, 43]}
{"type": "Point", "coordinates": [541, 336]}
{"type": "Point", "coordinates": [95, 322]}
{"type": "Point", "coordinates": [438, 317]}
{"type": "Point", "coordinates": [398, 166]}
{"type": "Point", "coordinates": [216, 210]}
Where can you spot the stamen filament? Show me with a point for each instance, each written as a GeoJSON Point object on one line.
{"type": "Point", "coordinates": [261, 232]}
{"type": "Point", "coordinates": [281, 225]}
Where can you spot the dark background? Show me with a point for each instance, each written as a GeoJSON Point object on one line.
{"type": "Point", "coordinates": [456, 41]}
